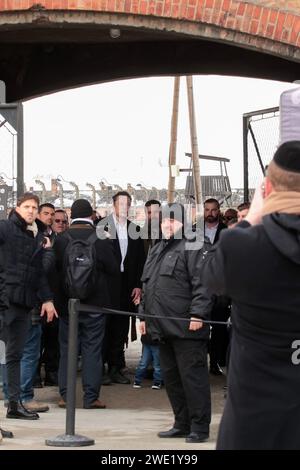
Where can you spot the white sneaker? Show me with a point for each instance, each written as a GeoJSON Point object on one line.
{"type": "Point", "coordinates": [137, 385]}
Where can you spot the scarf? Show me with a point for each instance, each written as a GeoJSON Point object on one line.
{"type": "Point", "coordinates": [287, 202]}
{"type": "Point", "coordinates": [33, 228]}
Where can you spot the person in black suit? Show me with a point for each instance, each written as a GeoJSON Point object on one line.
{"type": "Point", "coordinates": [219, 335]}
{"type": "Point", "coordinates": [129, 253]}
{"type": "Point", "coordinates": [91, 326]}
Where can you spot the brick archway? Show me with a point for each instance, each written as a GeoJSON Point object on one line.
{"type": "Point", "coordinates": [55, 44]}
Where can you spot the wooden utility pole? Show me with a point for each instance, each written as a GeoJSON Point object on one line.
{"type": "Point", "coordinates": [194, 144]}
{"type": "Point", "coordinates": [173, 144]}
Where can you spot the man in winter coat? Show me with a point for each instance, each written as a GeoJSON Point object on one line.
{"type": "Point", "coordinates": [257, 264]}
{"type": "Point", "coordinates": [171, 288]}
{"type": "Point", "coordinates": [22, 247]}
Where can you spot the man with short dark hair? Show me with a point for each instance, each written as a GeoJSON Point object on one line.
{"type": "Point", "coordinates": [151, 232]}
{"type": "Point", "coordinates": [22, 246]}
{"type": "Point", "coordinates": [46, 216]}
{"type": "Point", "coordinates": [257, 264]}
{"type": "Point", "coordinates": [213, 227]}
{"type": "Point", "coordinates": [243, 210]}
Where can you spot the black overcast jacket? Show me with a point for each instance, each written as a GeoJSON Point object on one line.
{"type": "Point", "coordinates": [259, 269]}
{"type": "Point", "coordinates": [25, 277]}
{"type": "Point", "coordinates": [172, 288]}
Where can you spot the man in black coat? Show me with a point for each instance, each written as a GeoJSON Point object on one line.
{"type": "Point", "coordinates": [257, 264]}
{"type": "Point", "coordinates": [129, 254]}
{"type": "Point", "coordinates": [91, 326]}
{"type": "Point", "coordinates": [213, 227]}
{"type": "Point", "coordinates": [22, 246]}
{"type": "Point", "coordinates": [171, 288]}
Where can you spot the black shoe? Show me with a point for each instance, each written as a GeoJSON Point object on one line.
{"type": "Point", "coordinates": [173, 432]}
{"type": "Point", "coordinates": [215, 369]}
{"type": "Point", "coordinates": [118, 378]}
{"type": "Point", "coordinates": [51, 379]}
{"type": "Point", "coordinates": [195, 437]}
{"type": "Point", "coordinates": [7, 434]}
{"type": "Point", "coordinates": [17, 411]}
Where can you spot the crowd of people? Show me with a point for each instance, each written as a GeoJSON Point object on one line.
{"type": "Point", "coordinates": [175, 286]}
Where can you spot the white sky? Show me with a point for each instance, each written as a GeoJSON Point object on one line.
{"type": "Point", "coordinates": [121, 131]}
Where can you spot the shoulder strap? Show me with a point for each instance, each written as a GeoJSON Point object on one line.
{"type": "Point", "coordinates": [93, 237]}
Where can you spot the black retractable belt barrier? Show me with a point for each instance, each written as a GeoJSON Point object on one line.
{"type": "Point", "coordinates": [70, 439]}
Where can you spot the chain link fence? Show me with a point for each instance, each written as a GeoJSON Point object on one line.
{"type": "Point", "coordinates": [261, 138]}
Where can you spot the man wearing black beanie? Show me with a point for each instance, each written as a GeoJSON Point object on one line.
{"type": "Point", "coordinates": [172, 288]}
{"type": "Point", "coordinates": [257, 264]}
{"type": "Point", "coordinates": [91, 327]}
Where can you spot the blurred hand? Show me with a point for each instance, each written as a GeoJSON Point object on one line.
{"type": "Point", "coordinates": [47, 242]}
{"type": "Point", "coordinates": [142, 327]}
{"type": "Point", "coordinates": [136, 295]}
{"type": "Point", "coordinates": [49, 310]}
{"type": "Point", "coordinates": [195, 324]}
{"type": "Point", "coordinates": [254, 215]}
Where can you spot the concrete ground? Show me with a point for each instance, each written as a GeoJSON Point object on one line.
{"type": "Point", "coordinates": [130, 422]}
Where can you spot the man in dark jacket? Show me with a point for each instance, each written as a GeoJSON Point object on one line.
{"type": "Point", "coordinates": [257, 264]}
{"type": "Point", "coordinates": [22, 248]}
{"type": "Point", "coordinates": [91, 326]}
{"type": "Point", "coordinates": [171, 288]}
{"type": "Point", "coordinates": [213, 227]}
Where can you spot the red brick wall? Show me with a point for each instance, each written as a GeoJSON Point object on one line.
{"type": "Point", "coordinates": [278, 20]}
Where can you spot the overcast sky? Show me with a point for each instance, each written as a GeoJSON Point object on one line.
{"type": "Point", "coordinates": [121, 131]}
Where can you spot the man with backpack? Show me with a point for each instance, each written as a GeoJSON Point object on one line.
{"type": "Point", "coordinates": [85, 265]}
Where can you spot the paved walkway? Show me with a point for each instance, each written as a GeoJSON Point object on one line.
{"type": "Point", "coordinates": [131, 421]}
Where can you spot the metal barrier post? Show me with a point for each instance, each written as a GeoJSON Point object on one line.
{"type": "Point", "coordinates": [70, 439]}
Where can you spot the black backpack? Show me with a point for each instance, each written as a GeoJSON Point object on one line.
{"type": "Point", "coordinates": [80, 267]}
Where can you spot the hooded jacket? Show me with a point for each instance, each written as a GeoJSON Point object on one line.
{"type": "Point", "coordinates": [259, 269]}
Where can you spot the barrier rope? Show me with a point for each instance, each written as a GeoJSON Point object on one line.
{"type": "Point", "coordinates": [110, 311]}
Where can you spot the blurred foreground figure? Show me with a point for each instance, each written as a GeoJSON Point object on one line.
{"type": "Point", "coordinates": [257, 264]}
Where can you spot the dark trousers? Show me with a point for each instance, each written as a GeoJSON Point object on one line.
{"type": "Point", "coordinates": [117, 329]}
{"type": "Point", "coordinates": [90, 332]}
{"type": "Point", "coordinates": [219, 338]}
{"type": "Point", "coordinates": [50, 346]}
{"type": "Point", "coordinates": [184, 368]}
{"type": "Point", "coordinates": [116, 336]}
{"type": "Point", "coordinates": [17, 323]}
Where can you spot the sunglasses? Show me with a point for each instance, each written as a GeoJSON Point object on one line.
{"type": "Point", "coordinates": [58, 221]}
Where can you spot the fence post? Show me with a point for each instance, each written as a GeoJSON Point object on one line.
{"type": "Point", "coordinates": [70, 439]}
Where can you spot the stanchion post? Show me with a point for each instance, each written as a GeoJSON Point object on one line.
{"type": "Point", "coordinates": [70, 439]}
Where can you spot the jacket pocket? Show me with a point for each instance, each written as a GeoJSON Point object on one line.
{"type": "Point", "coordinates": [168, 265]}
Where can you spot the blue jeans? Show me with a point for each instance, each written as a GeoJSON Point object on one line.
{"type": "Point", "coordinates": [29, 363]}
{"type": "Point", "coordinates": [150, 354]}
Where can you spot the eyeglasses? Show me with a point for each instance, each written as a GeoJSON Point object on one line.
{"type": "Point", "coordinates": [58, 221]}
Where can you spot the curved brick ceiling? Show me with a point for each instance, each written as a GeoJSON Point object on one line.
{"type": "Point", "coordinates": [277, 20]}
